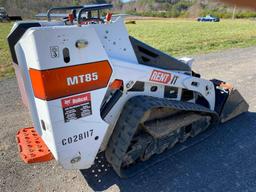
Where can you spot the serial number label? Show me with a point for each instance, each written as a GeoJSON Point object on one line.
{"type": "Point", "coordinates": [77, 138]}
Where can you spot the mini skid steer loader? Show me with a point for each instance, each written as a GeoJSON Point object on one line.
{"type": "Point", "coordinates": [90, 88]}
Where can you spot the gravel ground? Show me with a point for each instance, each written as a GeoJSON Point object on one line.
{"type": "Point", "coordinates": [226, 161]}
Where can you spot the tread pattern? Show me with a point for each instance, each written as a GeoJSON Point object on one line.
{"type": "Point", "coordinates": [132, 114]}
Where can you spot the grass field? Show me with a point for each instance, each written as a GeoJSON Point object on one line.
{"type": "Point", "coordinates": [174, 36]}
{"type": "Point", "coordinates": [187, 37]}
{"type": "Point", "coordinates": [5, 59]}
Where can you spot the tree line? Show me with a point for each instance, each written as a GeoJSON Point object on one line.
{"type": "Point", "coordinates": [153, 8]}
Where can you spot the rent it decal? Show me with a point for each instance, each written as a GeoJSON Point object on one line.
{"type": "Point", "coordinates": [163, 77]}
{"type": "Point", "coordinates": [76, 107]}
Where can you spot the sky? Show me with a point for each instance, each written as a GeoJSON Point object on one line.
{"type": "Point", "coordinates": [125, 1]}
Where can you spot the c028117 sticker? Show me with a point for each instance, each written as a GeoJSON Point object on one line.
{"type": "Point", "coordinates": [77, 137]}
{"type": "Point", "coordinates": [76, 107]}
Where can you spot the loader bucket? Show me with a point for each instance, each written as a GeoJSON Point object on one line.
{"type": "Point", "coordinates": [234, 106]}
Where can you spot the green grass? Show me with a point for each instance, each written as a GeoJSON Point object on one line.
{"type": "Point", "coordinates": [174, 36]}
{"type": "Point", "coordinates": [188, 37]}
{"type": "Point", "coordinates": [6, 69]}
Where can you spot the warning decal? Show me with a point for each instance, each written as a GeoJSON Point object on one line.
{"type": "Point", "coordinates": [76, 107]}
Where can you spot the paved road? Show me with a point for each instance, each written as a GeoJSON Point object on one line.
{"type": "Point", "coordinates": [226, 161]}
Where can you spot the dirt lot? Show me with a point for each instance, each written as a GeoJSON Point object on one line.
{"type": "Point", "coordinates": [226, 161]}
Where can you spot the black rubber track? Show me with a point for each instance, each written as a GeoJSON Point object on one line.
{"type": "Point", "coordinates": [129, 120]}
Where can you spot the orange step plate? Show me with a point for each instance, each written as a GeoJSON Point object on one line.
{"type": "Point", "coordinates": [31, 146]}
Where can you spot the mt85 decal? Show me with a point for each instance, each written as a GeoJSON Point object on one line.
{"type": "Point", "coordinates": [82, 78]}
{"type": "Point", "coordinates": [61, 82]}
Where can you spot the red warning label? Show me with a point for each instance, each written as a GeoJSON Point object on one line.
{"type": "Point", "coordinates": [76, 107]}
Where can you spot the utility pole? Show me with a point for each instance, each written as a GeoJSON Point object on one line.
{"type": "Point", "coordinates": [234, 12]}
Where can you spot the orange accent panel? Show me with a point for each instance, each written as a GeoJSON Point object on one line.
{"type": "Point", "coordinates": [60, 82]}
{"type": "Point", "coordinates": [117, 84]}
{"type": "Point", "coordinates": [31, 147]}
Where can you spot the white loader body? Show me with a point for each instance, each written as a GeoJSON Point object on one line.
{"type": "Point", "coordinates": [66, 114]}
